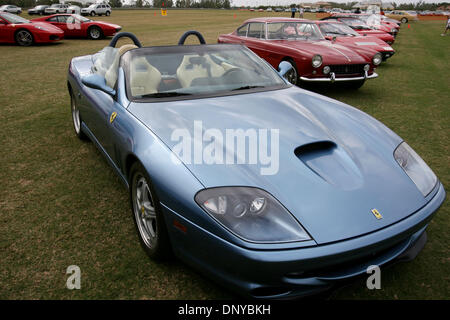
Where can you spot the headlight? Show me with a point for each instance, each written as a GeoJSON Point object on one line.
{"type": "Point", "coordinates": [415, 168]}
{"type": "Point", "coordinates": [40, 28]}
{"type": "Point", "coordinates": [366, 68]}
{"type": "Point", "coordinates": [316, 61]}
{"type": "Point", "coordinates": [393, 30]}
{"type": "Point", "coordinates": [326, 70]}
{"type": "Point", "coordinates": [377, 58]}
{"type": "Point", "coordinates": [251, 214]}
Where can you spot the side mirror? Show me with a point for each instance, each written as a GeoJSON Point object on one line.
{"type": "Point", "coordinates": [333, 39]}
{"type": "Point", "coordinates": [96, 81]}
{"type": "Point", "coordinates": [284, 67]}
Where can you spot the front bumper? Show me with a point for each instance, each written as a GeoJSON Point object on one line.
{"type": "Point", "coordinates": [290, 273]}
{"type": "Point", "coordinates": [333, 78]}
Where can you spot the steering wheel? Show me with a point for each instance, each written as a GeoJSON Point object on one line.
{"type": "Point", "coordinates": [189, 33]}
{"type": "Point", "coordinates": [127, 35]}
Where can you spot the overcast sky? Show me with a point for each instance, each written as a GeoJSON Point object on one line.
{"type": "Point", "coordinates": [288, 2]}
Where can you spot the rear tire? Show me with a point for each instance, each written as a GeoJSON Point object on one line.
{"type": "Point", "coordinates": [95, 33]}
{"type": "Point", "coordinates": [404, 20]}
{"type": "Point", "coordinates": [76, 119]}
{"type": "Point", "coordinates": [108, 13]}
{"type": "Point", "coordinates": [24, 38]}
{"type": "Point", "coordinates": [147, 215]}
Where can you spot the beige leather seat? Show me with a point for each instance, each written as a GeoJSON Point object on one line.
{"type": "Point", "coordinates": [111, 74]}
{"type": "Point", "coordinates": [188, 71]}
{"type": "Point", "coordinates": [144, 78]}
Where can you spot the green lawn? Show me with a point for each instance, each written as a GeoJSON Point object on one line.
{"type": "Point", "coordinates": [61, 204]}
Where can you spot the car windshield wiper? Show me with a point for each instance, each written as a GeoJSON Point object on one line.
{"type": "Point", "coordinates": [246, 87]}
{"type": "Point", "coordinates": [165, 94]}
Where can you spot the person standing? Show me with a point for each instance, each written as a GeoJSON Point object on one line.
{"type": "Point", "coordinates": [293, 10]}
{"type": "Point", "coordinates": [447, 27]}
{"type": "Point", "coordinates": [300, 12]}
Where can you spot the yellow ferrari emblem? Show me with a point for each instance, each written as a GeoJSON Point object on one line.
{"type": "Point", "coordinates": [112, 117]}
{"type": "Point", "coordinates": [377, 214]}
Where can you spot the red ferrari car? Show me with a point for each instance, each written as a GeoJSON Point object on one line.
{"type": "Point", "coordinates": [363, 29]}
{"type": "Point", "coordinates": [339, 32]}
{"type": "Point", "coordinates": [300, 42]}
{"type": "Point", "coordinates": [15, 29]}
{"type": "Point", "coordinates": [75, 25]}
{"type": "Point", "coordinates": [373, 21]}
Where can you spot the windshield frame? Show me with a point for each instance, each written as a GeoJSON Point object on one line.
{"type": "Point", "coordinates": [127, 56]}
{"type": "Point", "coordinates": [7, 17]}
{"type": "Point", "coordinates": [296, 39]}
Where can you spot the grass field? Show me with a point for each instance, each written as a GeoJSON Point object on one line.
{"type": "Point", "coordinates": [61, 204]}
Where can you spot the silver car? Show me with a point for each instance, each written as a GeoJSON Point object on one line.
{"type": "Point", "coordinates": [56, 8]}
{"type": "Point", "coordinates": [97, 9]}
{"type": "Point", "coordinates": [11, 9]}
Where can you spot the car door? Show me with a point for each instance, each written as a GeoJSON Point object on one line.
{"type": "Point", "coordinates": [5, 31]}
{"type": "Point", "coordinates": [74, 26]}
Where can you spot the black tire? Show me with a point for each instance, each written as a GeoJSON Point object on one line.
{"type": "Point", "coordinates": [404, 20]}
{"type": "Point", "coordinates": [95, 33]}
{"type": "Point", "coordinates": [108, 13]}
{"type": "Point", "coordinates": [355, 85]}
{"type": "Point", "coordinates": [24, 38]}
{"type": "Point", "coordinates": [157, 247]}
{"type": "Point", "coordinates": [76, 118]}
{"type": "Point", "coordinates": [92, 13]}
{"type": "Point", "coordinates": [293, 73]}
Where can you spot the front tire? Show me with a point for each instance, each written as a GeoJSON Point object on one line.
{"type": "Point", "coordinates": [24, 38]}
{"type": "Point", "coordinates": [292, 75]}
{"type": "Point", "coordinates": [404, 20]}
{"type": "Point", "coordinates": [147, 215]}
{"type": "Point", "coordinates": [92, 13]}
{"type": "Point", "coordinates": [95, 33]}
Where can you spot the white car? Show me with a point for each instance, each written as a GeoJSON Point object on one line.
{"type": "Point", "coordinates": [56, 8]}
{"type": "Point", "coordinates": [11, 9]}
{"type": "Point", "coordinates": [97, 9]}
{"type": "Point", "coordinates": [269, 10]}
{"type": "Point", "coordinates": [74, 10]}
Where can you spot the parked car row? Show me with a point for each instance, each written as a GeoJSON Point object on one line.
{"type": "Point", "coordinates": [46, 29]}
{"type": "Point", "coordinates": [92, 10]}
{"type": "Point", "coordinates": [340, 49]}
{"type": "Point", "coordinates": [300, 230]}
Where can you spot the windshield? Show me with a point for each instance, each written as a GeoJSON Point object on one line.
{"type": "Point", "coordinates": [55, 6]}
{"type": "Point", "coordinates": [12, 18]}
{"type": "Point", "coordinates": [355, 23]}
{"type": "Point", "coordinates": [92, 6]}
{"type": "Point", "coordinates": [337, 29]}
{"type": "Point", "coordinates": [293, 30]}
{"type": "Point", "coordinates": [196, 71]}
{"type": "Point", "coordinates": [77, 17]}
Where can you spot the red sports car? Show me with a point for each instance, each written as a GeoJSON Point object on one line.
{"type": "Point", "coordinates": [75, 25]}
{"type": "Point", "coordinates": [339, 32]}
{"type": "Point", "coordinates": [300, 42]}
{"type": "Point", "coordinates": [363, 29]}
{"type": "Point", "coordinates": [373, 21]}
{"type": "Point", "coordinates": [15, 29]}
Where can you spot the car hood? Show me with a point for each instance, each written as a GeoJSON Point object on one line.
{"type": "Point", "coordinates": [368, 42]}
{"type": "Point", "coordinates": [106, 24]}
{"type": "Point", "coordinates": [330, 52]}
{"type": "Point", "coordinates": [47, 26]}
{"type": "Point", "coordinates": [335, 162]}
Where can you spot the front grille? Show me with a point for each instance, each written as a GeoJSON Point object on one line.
{"type": "Point", "coordinates": [347, 68]}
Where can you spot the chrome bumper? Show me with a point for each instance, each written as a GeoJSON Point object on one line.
{"type": "Point", "coordinates": [333, 78]}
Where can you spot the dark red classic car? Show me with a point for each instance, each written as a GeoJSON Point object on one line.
{"type": "Point", "coordinates": [339, 32]}
{"type": "Point", "coordinates": [362, 28]}
{"type": "Point", "coordinates": [75, 25]}
{"type": "Point", "coordinates": [300, 42]}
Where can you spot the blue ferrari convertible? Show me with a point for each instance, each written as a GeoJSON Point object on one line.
{"type": "Point", "coordinates": [269, 189]}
